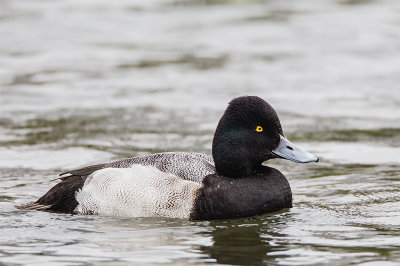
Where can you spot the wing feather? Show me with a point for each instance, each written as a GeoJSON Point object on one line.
{"type": "Point", "coordinates": [188, 166]}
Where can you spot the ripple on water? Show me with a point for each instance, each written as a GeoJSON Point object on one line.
{"type": "Point", "coordinates": [82, 82]}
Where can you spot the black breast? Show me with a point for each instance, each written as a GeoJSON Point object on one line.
{"type": "Point", "coordinates": [224, 198]}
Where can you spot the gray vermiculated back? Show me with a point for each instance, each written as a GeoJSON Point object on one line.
{"type": "Point", "coordinates": [188, 166]}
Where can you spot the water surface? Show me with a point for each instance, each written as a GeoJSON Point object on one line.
{"type": "Point", "coordinates": [90, 81]}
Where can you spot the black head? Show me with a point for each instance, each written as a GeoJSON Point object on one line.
{"type": "Point", "coordinates": [245, 136]}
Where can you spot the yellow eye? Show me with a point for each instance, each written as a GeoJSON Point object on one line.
{"type": "Point", "coordinates": [259, 129]}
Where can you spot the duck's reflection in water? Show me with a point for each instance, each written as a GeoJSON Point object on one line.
{"type": "Point", "coordinates": [242, 242]}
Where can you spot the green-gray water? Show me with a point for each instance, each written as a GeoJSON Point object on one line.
{"type": "Point", "coordinates": [90, 81]}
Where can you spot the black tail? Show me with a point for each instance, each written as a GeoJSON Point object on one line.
{"type": "Point", "coordinates": [60, 198]}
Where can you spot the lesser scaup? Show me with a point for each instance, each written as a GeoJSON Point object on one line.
{"type": "Point", "coordinates": [232, 183]}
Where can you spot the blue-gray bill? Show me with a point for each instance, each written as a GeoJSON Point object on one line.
{"type": "Point", "coordinates": [287, 150]}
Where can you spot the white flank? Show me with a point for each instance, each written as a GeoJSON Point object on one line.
{"type": "Point", "coordinates": [138, 191]}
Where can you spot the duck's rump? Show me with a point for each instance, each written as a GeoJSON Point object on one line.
{"type": "Point", "coordinates": [186, 166]}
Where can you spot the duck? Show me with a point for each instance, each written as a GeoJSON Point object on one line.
{"type": "Point", "coordinates": [233, 182]}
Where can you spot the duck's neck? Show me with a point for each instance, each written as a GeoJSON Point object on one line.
{"type": "Point", "coordinates": [231, 161]}
{"type": "Point", "coordinates": [232, 166]}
